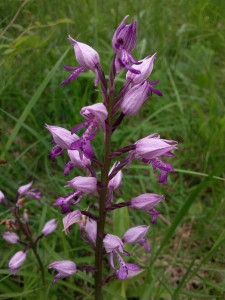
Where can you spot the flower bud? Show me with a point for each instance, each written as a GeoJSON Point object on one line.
{"type": "Point", "coordinates": [86, 185]}
{"type": "Point", "coordinates": [10, 237]}
{"type": "Point", "coordinates": [116, 181]}
{"type": "Point", "coordinates": [25, 188]}
{"type": "Point", "coordinates": [86, 56]}
{"type": "Point", "coordinates": [145, 67]}
{"type": "Point", "coordinates": [146, 201]}
{"type": "Point", "coordinates": [25, 216]}
{"type": "Point", "coordinates": [112, 242]}
{"type": "Point", "coordinates": [2, 197]}
{"type": "Point", "coordinates": [16, 261]}
{"type": "Point", "coordinates": [135, 234]}
{"type": "Point", "coordinates": [152, 146]}
{"type": "Point", "coordinates": [49, 227]}
{"type": "Point", "coordinates": [89, 227]}
{"type": "Point", "coordinates": [73, 217]}
{"type": "Point", "coordinates": [134, 99]}
{"type": "Point", "coordinates": [64, 269]}
{"type": "Point", "coordinates": [97, 110]}
{"type": "Point", "coordinates": [62, 137]}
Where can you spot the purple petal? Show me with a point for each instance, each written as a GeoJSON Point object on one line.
{"type": "Point", "coordinates": [79, 126]}
{"type": "Point", "coordinates": [74, 75]}
{"type": "Point", "coordinates": [88, 150]}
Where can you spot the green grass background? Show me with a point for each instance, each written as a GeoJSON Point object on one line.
{"type": "Point", "coordinates": [187, 257]}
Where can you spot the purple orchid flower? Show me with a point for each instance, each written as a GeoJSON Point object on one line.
{"type": "Point", "coordinates": [114, 183]}
{"type": "Point", "coordinates": [94, 114]}
{"type": "Point", "coordinates": [147, 202]}
{"type": "Point", "coordinates": [82, 186]}
{"type": "Point", "coordinates": [88, 228]}
{"type": "Point", "coordinates": [70, 219]}
{"type": "Point", "coordinates": [150, 148]}
{"type": "Point", "coordinates": [132, 270]}
{"type": "Point", "coordinates": [62, 139]}
{"type": "Point", "coordinates": [113, 245]}
{"type": "Point", "coordinates": [137, 235]}
{"type": "Point", "coordinates": [87, 58]}
{"type": "Point", "coordinates": [134, 99]}
{"type": "Point", "coordinates": [25, 190]}
{"type": "Point", "coordinates": [145, 68]}
{"type": "Point", "coordinates": [76, 161]}
{"type": "Point", "coordinates": [64, 268]}
{"type": "Point", "coordinates": [10, 237]}
{"type": "Point", "coordinates": [123, 42]}
{"type": "Point", "coordinates": [49, 227]}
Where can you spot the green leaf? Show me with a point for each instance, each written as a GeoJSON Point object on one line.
{"type": "Point", "coordinates": [33, 101]}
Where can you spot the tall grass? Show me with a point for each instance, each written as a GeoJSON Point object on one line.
{"type": "Point", "coordinates": [187, 257]}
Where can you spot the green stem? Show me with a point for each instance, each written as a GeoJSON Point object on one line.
{"type": "Point", "coordinates": [26, 230]}
{"type": "Point", "coordinates": [102, 203]}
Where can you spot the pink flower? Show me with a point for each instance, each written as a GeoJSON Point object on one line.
{"type": "Point", "coordinates": [49, 227]}
{"type": "Point", "coordinates": [70, 219]}
{"type": "Point", "coordinates": [16, 261]}
{"type": "Point", "coordinates": [64, 268]}
{"type": "Point", "coordinates": [10, 237]}
{"type": "Point", "coordinates": [86, 185]}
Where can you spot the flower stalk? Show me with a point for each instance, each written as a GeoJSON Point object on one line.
{"type": "Point", "coordinates": [102, 203]}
